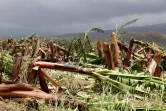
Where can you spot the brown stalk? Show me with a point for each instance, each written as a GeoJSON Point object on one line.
{"type": "Point", "coordinates": [56, 50]}
{"type": "Point", "coordinates": [43, 53]}
{"type": "Point", "coordinates": [43, 83]}
{"type": "Point", "coordinates": [109, 58]}
{"type": "Point", "coordinates": [152, 66]}
{"type": "Point", "coordinates": [27, 49]}
{"type": "Point", "coordinates": [26, 94]}
{"type": "Point", "coordinates": [163, 56]}
{"type": "Point", "coordinates": [15, 87]}
{"type": "Point", "coordinates": [11, 40]}
{"type": "Point", "coordinates": [61, 48]}
{"type": "Point", "coordinates": [100, 49]}
{"type": "Point", "coordinates": [4, 44]}
{"type": "Point", "coordinates": [7, 81]}
{"type": "Point", "coordinates": [49, 78]}
{"type": "Point", "coordinates": [70, 52]}
{"type": "Point", "coordinates": [1, 62]}
{"type": "Point", "coordinates": [32, 72]}
{"type": "Point", "coordinates": [149, 52]}
{"type": "Point", "coordinates": [33, 75]}
{"type": "Point", "coordinates": [122, 46]}
{"type": "Point", "coordinates": [159, 69]}
{"type": "Point", "coordinates": [129, 53]}
{"type": "Point", "coordinates": [52, 48]}
{"type": "Point", "coordinates": [117, 57]}
{"type": "Point", "coordinates": [14, 50]}
{"type": "Point", "coordinates": [23, 51]}
{"type": "Point", "coordinates": [16, 47]}
{"type": "Point", "coordinates": [63, 67]}
{"type": "Point", "coordinates": [36, 50]}
{"type": "Point", "coordinates": [0, 77]}
{"type": "Point", "coordinates": [140, 51]}
{"type": "Point", "coordinates": [21, 41]}
{"type": "Point", "coordinates": [140, 42]}
{"type": "Point", "coordinates": [48, 53]}
{"type": "Point", "coordinates": [16, 67]}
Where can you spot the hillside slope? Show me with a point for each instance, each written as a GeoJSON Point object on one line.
{"type": "Point", "coordinates": [152, 36]}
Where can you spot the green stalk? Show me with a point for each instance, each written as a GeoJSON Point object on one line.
{"type": "Point", "coordinates": [124, 88]}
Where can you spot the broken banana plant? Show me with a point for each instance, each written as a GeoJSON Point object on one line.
{"type": "Point", "coordinates": [15, 87]}
{"type": "Point", "coordinates": [115, 48]}
{"type": "Point", "coordinates": [32, 71]}
{"type": "Point", "coordinates": [159, 70]}
{"type": "Point", "coordinates": [43, 83]}
{"type": "Point", "coordinates": [17, 66]}
{"type": "Point", "coordinates": [129, 53]}
{"type": "Point", "coordinates": [100, 49]}
{"type": "Point", "coordinates": [37, 46]}
{"type": "Point", "coordinates": [109, 58]}
{"type": "Point", "coordinates": [63, 67]}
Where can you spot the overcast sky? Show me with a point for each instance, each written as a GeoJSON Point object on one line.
{"type": "Point", "coordinates": [54, 17]}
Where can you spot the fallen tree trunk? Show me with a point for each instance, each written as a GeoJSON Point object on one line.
{"type": "Point", "coordinates": [15, 87]}
{"type": "Point", "coordinates": [32, 94]}
{"type": "Point", "coordinates": [49, 78]}
{"type": "Point", "coordinates": [43, 83]}
{"type": "Point", "coordinates": [64, 67]}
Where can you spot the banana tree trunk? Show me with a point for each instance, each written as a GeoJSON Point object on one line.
{"type": "Point", "coordinates": [52, 47]}
{"type": "Point", "coordinates": [63, 67]}
{"type": "Point", "coordinates": [122, 46]}
{"type": "Point", "coordinates": [149, 52]}
{"type": "Point", "coordinates": [117, 57]}
{"type": "Point", "coordinates": [129, 53]}
{"type": "Point", "coordinates": [16, 67]}
{"type": "Point", "coordinates": [49, 78]}
{"type": "Point", "coordinates": [48, 54]}
{"type": "Point", "coordinates": [159, 70]}
{"type": "Point", "coordinates": [109, 58]}
{"type": "Point", "coordinates": [32, 94]}
{"type": "Point", "coordinates": [7, 81]}
{"type": "Point", "coordinates": [42, 53]}
{"type": "Point", "coordinates": [0, 77]}
{"type": "Point", "coordinates": [140, 42]}
{"type": "Point", "coordinates": [15, 87]}
{"type": "Point", "coordinates": [100, 49]}
{"type": "Point", "coordinates": [43, 83]}
{"type": "Point", "coordinates": [27, 49]}
{"type": "Point", "coordinates": [36, 50]}
{"type": "Point", "coordinates": [152, 66]}
{"type": "Point", "coordinates": [140, 51]}
{"type": "Point", "coordinates": [13, 51]}
{"type": "Point", "coordinates": [1, 62]}
{"type": "Point", "coordinates": [33, 73]}
{"type": "Point", "coordinates": [61, 48]}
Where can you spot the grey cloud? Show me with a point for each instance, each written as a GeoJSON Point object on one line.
{"type": "Point", "coordinates": [61, 16]}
